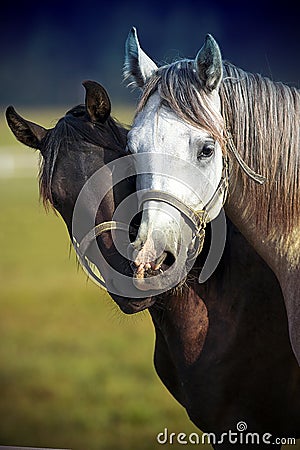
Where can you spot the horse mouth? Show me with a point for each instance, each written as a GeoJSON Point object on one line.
{"type": "Point", "coordinates": [153, 268]}
{"type": "Point", "coordinates": [160, 274]}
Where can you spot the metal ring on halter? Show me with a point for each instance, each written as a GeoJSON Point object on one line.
{"type": "Point", "coordinates": [81, 248]}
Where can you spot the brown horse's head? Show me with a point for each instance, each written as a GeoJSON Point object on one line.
{"type": "Point", "coordinates": [84, 141]}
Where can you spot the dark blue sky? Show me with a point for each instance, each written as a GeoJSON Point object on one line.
{"type": "Point", "coordinates": [49, 48]}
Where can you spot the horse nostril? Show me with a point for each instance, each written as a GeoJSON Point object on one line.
{"type": "Point", "coordinates": [165, 261]}
{"type": "Point", "coordinates": [159, 261]}
{"type": "Point", "coordinates": [170, 259]}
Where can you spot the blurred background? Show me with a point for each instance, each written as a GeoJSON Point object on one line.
{"type": "Point", "coordinates": [75, 372]}
{"type": "Point", "coordinates": [49, 48]}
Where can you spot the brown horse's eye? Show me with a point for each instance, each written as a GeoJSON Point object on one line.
{"type": "Point", "coordinates": [206, 151]}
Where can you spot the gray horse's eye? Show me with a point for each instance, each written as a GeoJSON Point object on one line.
{"type": "Point", "coordinates": [206, 151]}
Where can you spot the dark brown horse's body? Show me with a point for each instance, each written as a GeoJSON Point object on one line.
{"type": "Point", "coordinates": [222, 348]}
{"type": "Point", "coordinates": [223, 351]}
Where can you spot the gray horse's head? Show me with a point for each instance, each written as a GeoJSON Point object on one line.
{"type": "Point", "coordinates": [178, 127]}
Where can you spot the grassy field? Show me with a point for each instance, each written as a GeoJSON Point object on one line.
{"type": "Point", "coordinates": [74, 372]}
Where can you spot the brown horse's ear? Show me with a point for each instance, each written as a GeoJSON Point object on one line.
{"type": "Point", "coordinates": [28, 133]}
{"type": "Point", "coordinates": [97, 101]}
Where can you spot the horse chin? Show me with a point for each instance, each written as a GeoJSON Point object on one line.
{"type": "Point", "coordinates": [129, 306]}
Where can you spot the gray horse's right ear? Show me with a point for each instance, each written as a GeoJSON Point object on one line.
{"type": "Point", "coordinates": [29, 133]}
{"type": "Point", "coordinates": [138, 67]}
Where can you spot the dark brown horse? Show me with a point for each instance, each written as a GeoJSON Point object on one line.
{"type": "Point", "coordinates": [222, 348]}
{"type": "Point", "coordinates": [86, 139]}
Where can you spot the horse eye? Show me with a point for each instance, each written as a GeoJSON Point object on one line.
{"type": "Point", "coordinates": [206, 151]}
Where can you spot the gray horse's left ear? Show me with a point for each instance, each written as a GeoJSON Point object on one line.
{"type": "Point", "coordinates": [97, 101]}
{"type": "Point", "coordinates": [138, 67]}
{"type": "Point", "coordinates": [208, 64]}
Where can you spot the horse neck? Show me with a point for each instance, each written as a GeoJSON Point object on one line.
{"type": "Point", "coordinates": [183, 323]}
{"type": "Point", "coordinates": [210, 320]}
{"type": "Point", "coordinates": [262, 117]}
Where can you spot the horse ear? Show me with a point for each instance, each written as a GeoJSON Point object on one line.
{"type": "Point", "coordinates": [138, 67]}
{"type": "Point", "coordinates": [97, 101]}
{"type": "Point", "coordinates": [29, 133]}
{"type": "Point", "coordinates": [208, 64]}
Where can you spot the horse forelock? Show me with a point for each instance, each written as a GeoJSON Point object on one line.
{"type": "Point", "coordinates": [73, 132]}
{"type": "Point", "coordinates": [181, 90]}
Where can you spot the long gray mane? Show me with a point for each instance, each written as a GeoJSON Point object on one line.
{"type": "Point", "coordinates": [263, 118]}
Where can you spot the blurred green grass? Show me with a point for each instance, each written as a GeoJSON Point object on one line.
{"type": "Point", "coordinates": [74, 372]}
